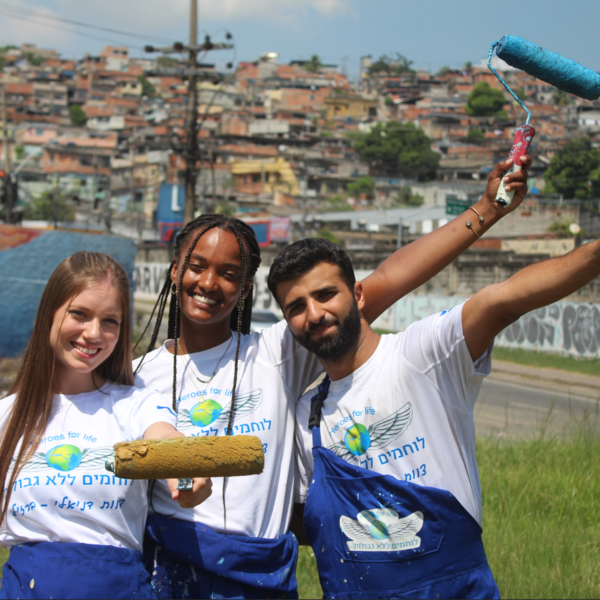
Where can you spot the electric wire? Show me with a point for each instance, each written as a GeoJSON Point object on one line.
{"type": "Point", "coordinates": [58, 28]}
{"type": "Point", "coordinates": [31, 13]}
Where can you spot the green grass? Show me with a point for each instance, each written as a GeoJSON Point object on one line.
{"type": "Point", "coordinates": [587, 366]}
{"type": "Point", "coordinates": [541, 518]}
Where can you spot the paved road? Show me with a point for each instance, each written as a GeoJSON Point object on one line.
{"type": "Point", "coordinates": [518, 409]}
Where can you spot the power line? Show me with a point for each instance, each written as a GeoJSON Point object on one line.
{"type": "Point", "coordinates": [29, 13]}
{"type": "Point", "coordinates": [58, 28]}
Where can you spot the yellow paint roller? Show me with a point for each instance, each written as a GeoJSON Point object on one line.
{"type": "Point", "coordinates": [183, 458]}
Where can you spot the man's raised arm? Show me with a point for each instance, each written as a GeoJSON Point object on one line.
{"type": "Point", "coordinates": [495, 307]}
{"type": "Point", "coordinates": [416, 263]}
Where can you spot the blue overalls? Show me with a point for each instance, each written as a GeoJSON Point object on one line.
{"type": "Point", "coordinates": [68, 570]}
{"type": "Point", "coordinates": [190, 560]}
{"type": "Point", "coordinates": [375, 536]}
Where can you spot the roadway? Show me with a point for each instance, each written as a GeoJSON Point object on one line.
{"type": "Point", "coordinates": [525, 406]}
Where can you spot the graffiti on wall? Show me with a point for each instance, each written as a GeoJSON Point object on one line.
{"type": "Point", "coordinates": [566, 327]}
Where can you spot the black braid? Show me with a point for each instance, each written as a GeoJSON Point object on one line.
{"type": "Point", "coordinates": [240, 313]}
{"type": "Point", "coordinates": [161, 303]}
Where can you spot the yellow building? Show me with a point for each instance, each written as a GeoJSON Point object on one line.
{"type": "Point", "coordinates": [265, 176]}
{"type": "Point", "coordinates": [350, 106]}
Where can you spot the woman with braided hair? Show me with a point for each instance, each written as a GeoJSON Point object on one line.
{"type": "Point", "coordinates": [236, 544]}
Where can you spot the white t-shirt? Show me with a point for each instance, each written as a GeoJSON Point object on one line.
{"type": "Point", "coordinates": [407, 412]}
{"type": "Point", "coordinates": [64, 493]}
{"type": "Point", "coordinates": [273, 372]}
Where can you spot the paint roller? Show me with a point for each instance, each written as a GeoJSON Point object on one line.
{"type": "Point", "coordinates": [561, 72]}
{"type": "Point", "coordinates": [188, 457]}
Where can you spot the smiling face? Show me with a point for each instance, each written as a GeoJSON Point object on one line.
{"type": "Point", "coordinates": [322, 312]}
{"type": "Point", "coordinates": [211, 283]}
{"type": "Point", "coordinates": [84, 333]}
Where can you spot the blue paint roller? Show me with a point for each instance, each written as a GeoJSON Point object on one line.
{"type": "Point", "coordinates": [561, 72]}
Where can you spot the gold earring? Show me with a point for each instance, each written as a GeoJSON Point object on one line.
{"type": "Point", "coordinates": [173, 288]}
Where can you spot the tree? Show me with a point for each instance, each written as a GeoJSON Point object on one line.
{"type": "Point", "coordinates": [574, 170]}
{"type": "Point", "coordinates": [468, 66]}
{"type": "Point", "coordinates": [314, 64]}
{"type": "Point", "coordinates": [476, 135]}
{"type": "Point", "coordinates": [391, 66]}
{"type": "Point", "coordinates": [399, 148]}
{"type": "Point", "coordinates": [50, 206]}
{"type": "Point", "coordinates": [363, 185]}
{"type": "Point", "coordinates": [560, 98]}
{"type": "Point", "coordinates": [165, 61]}
{"type": "Point", "coordinates": [444, 71]}
{"type": "Point", "coordinates": [564, 229]}
{"type": "Point", "coordinates": [34, 60]}
{"type": "Point", "coordinates": [147, 88]}
{"type": "Point", "coordinates": [485, 101]}
{"type": "Point", "coordinates": [405, 197]}
{"type": "Point", "coordinates": [521, 94]}
{"type": "Point", "coordinates": [78, 116]}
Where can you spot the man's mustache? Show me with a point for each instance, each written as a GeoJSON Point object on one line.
{"type": "Point", "coordinates": [323, 322]}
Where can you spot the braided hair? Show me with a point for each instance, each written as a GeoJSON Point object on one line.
{"type": "Point", "coordinates": [241, 315]}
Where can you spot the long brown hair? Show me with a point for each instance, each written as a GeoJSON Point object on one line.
{"type": "Point", "coordinates": [35, 384]}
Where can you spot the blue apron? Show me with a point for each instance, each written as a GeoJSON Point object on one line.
{"type": "Point", "coordinates": [190, 560]}
{"type": "Point", "coordinates": [57, 570]}
{"type": "Point", "coordinates": [375, 536]}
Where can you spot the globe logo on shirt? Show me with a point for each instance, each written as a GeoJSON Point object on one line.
{"type": "Point", "coordinates": [379, 530]}
{"type": "Point", "coordinates": [64, 458]}
{"type": "Point", "coordinates": [357, 439]}
{"type": "Point", "coordinates": [206, 412]}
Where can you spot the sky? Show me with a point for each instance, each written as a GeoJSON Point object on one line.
{"type": "Point", "coordinates": [431, 33]}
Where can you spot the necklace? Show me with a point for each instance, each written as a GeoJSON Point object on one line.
{"type": "Point", "coordinates": [207, 381]}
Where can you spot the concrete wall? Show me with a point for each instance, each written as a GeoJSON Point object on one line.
{"type": "Point", "coordinates": [571, 328]}
{"type": "Point", "coordinates": [24, 272]}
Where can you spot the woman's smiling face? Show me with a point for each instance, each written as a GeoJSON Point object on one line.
{"type": "Point", "coordinates": [85, 331]}
{"type": "Point", "coordinates": [211, 283]}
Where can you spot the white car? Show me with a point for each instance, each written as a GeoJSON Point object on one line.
{"type": "Point", "coordinates": [263, 319]}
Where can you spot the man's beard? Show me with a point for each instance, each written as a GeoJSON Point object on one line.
{"type": "Point", "coordinates": [334, 345]}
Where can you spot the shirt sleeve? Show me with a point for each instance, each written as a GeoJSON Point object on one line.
{"type": "Point", "coordinates": [303, 457]}
{"type": "Point", "coordinates": [436, 347]}
{"type": "Point", "coordinates": [150, 407]}
{"type": "Point", "coordinates": [298, 367]}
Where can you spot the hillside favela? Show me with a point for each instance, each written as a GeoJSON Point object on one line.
{"type": "Point", "coordinates": [176, 192]}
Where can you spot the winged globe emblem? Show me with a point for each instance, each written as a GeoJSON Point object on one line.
{"type": "Point", "coordinates": [68, 457]}
{"type": "Point", "coordinates": [359, 439]}
{"type": "Point", "coordinates": [382, 530]}
{"type": "Point", "coordinates": [209, 411]}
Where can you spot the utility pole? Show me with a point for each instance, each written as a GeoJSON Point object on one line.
{"type": "Point", "coordinates": [193, 73]}
{"type": "Point", "coordinates": [191, 121]}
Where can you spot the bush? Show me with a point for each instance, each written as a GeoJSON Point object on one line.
{"type": "Point", "coordinates": [485, 101]}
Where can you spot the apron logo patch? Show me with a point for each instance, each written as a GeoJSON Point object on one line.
{"type": "Point", "coordinates": [381, 530]}
{"type": "Point", "coordinates": [207, 412]}
{"type": "Point", "coordinates": [359, 439]}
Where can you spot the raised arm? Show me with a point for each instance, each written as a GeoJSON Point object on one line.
{"type": "Point", "coordinates": [495, 307]}
{"type": "Point", "coordinates": [412, 266]}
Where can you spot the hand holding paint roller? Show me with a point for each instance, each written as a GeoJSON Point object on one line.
{"type": "Point", "coordinates": [188, 457]}
{"type": "Point", "coordinates": [564, 73]}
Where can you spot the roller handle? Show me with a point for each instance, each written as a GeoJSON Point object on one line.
{"type": "Point", "coordinates": [521, 143]}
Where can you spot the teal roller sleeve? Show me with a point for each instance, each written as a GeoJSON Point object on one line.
{"type": "Point", "coordinates": [550, 67]}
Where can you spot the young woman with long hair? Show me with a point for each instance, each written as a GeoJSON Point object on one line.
{"type": "Point", "coordinates": [73, 529]}
{"type": "Point", "coordinates": [224, 380]}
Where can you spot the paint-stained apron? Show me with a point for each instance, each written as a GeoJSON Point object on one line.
{"type": "Point", "coordinates": [190, 560]}
{"type": "Point", "coordinates": [57, 570]}
{"type": "Point", "coordinates": [375, 536]}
